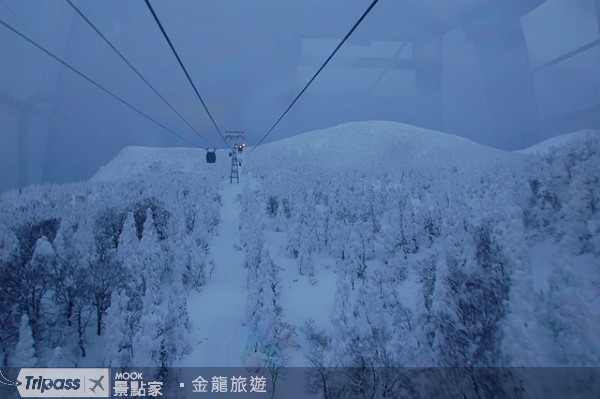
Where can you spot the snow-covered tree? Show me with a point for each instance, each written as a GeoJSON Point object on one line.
{"type": "Point", "coordinates": [24, 354]}
{"type": "Point", "coordinates": [320, 375]}
{"type": "Point", "coordinates": [148, 339]}
{"type": "Point", "coordinates": [176, 327]}
{"type": "Point", "coordinates": [129, 255]}
{"type": "Point", "coordinates": [75, 250]}
{"type": "Point", "coordinates": [9, 321]}
{"type": "Point", "coordinates": [152, 258]}
{"type": "Point", "coordinates": [270, 337]}
{"type": "Point", "coordinates": [120, 324]}
{"type": "Point", "coordinates": [57, 358]}
{"type": "Point", "coordinates": [162, 336]}
{"type": "Point", "coordinates": [33, 283]}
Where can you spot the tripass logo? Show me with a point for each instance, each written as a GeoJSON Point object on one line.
{"type": "Point", "coordinates": [63, 383]}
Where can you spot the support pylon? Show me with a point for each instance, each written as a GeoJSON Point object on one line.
{"type": "Point", "coordinates": [234, 167]}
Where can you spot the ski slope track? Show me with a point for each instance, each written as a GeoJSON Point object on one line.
{"type": "Point", "coordinates": [217, 311]}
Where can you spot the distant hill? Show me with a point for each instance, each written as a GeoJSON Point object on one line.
{"type": "Point", "coordinates": [558, 141]}
{"type": "Point", "coordinates": [380, 145]}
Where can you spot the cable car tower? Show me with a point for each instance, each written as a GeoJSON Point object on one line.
{"type": "Point", "coordinates": [236, 140]}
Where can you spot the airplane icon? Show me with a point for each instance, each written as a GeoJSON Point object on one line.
{"type": "Point", "coordinates": [97, 383]}
{"type": "Point", "coordinates": [6, 381]}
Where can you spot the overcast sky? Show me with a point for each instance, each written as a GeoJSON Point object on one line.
{"type": "Point", "coordinates": [249, 59]}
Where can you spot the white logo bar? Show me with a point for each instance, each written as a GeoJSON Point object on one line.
{"type": "Point", "coordinates": [64, 382]}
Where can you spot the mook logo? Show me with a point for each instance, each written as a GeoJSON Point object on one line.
{"type": "Point", "coordinates": [63, 383]}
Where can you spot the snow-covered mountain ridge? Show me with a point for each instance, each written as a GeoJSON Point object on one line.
{"type": "Point", "coordinates": [390, 146]}
{"type": "Point", "coordinates": [373, 146]}
{"type": "Point", "coordinates": [139, 161]}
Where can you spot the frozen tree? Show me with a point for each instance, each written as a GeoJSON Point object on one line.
{"type": "Point", "coordinates": [176, 339]}
{"type": "Point", "coordinates": [163, 333]}
{"type": "Point", "coordinates": [9, 321]}
{"type": "Point", "coordinates": [105, 270]}
{"type": "Point", "coordinates": [127, 249]}
{"type": "Point", "coordinates": [293, 241]}
{"type": "Point", "coordinates": [24, 355]}
{"type": "Point", "coordinates": [192, 247]}
{"type": "Point", "coordinates": [66, 269]}
{"type": "Point", "coordinates": [120, 325]}
{"type": "Point", "coordinates": [147, 343]}
{"type": "Point", "coordinates": [75, 250]}
{"type": "Point", "coordinates": [475, 289]}
{"type": "Point", "coordinates": [106, 275]}
{"type": "Point", "coordinates": [272, 206]}
{"type": "Point", "coordinates": [9, 245]}
{"type": "Point", "coordinates": [82, 313]}
{"type": "Point", "coordinates": [322, 376]}
{"type": "Point", "coordinates": [282, 213]}
{"type": "Point", "coordinates": [307, 243]}
{"type": "Point", "coordinates": [251, 230]}
{"type": "Point", "coordinates": [561, 215]}
{"type": "Point", "coordinates": [353, 261]}
{"type": "Point", "coordinates": [191, 261]}
{"type": "Point", "coordinates": [129, 255]}
{"type": "Point", "coordinates": [152, 258]}
{"type": "Point", "coordinates": [57, 359]}
{"type": "Point", "coordinates": [270, 337]}
{"type": "Point", "coordinates": [343, 318]}
{"type": "Point", "coordinates": [337, 236]}
{"type": "Point", "coordinates": [65, 250]}
{"type": "Point", "coordinates": [305, 261]}
{"type": "Point", "coordinates": [31, 283]}
{"type": "Point", "coordinates": [150, 340]}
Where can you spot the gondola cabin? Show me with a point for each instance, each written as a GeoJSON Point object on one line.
{"type": "Point", "coordinates": [211, 156]}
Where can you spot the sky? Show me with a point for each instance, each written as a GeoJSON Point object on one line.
{"type": "Point", "coordinates": [249, 59]}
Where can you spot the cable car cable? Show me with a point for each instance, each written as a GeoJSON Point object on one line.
{"type": "Point", "coordinates": [98, 85]}
{"type": "Point", "coordinates": [135, 70]}
{"type": "Point", "coordinates": [184, 69]}
{"type": "Point", "coordinates": [318, 71]}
